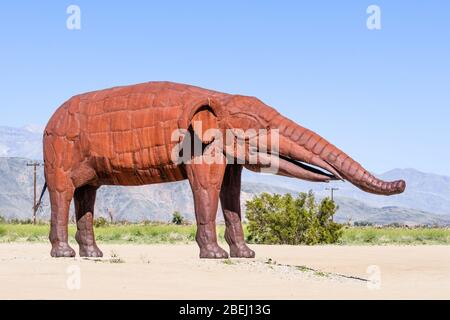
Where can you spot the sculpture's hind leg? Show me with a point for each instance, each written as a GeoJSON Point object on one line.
{"type": "Point", "coordinates": [84, 210]}
{"type": "Point", "coordinates": [230, 197]}
{"type": "Point", "coordinates": [61, 194]}
{"type": "Point", "coordinates": [205, 180]}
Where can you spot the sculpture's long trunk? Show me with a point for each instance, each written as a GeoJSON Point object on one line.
{"type": "Point", "coordinates": [311, 148]}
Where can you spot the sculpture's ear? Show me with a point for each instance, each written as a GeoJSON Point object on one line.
{"type": "Point", "coordinates": [202, 122]}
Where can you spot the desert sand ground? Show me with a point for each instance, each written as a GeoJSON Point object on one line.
{"type": "Point", "coordinates": [175, 272]}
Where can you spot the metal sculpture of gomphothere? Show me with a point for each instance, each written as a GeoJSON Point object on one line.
{"type": "Point", "coordinates": [132, 135]}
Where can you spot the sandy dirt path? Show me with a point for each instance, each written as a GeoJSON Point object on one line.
{"type": "Point", "coordinates": [278, 272]}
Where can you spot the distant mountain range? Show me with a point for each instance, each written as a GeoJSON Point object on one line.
{"type": "Point", "coordinates": [426, 200]}
{"type": "Point", "coordinates": [25, 142]}
{"type": "Point", "coordinates": [158, 202]}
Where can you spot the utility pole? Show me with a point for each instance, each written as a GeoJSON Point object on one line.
{"type": "Point", "coordinates": [34, 165]}
{"type": "Point", "coordinates": [332, 192]}
{"type": "Point", "coordinates": [110, 214]}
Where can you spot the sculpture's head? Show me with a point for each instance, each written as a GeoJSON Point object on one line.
{"type": "Point", "coordinates": [276, 144]}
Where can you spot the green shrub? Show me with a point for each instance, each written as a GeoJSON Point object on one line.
{"type": "Point", "coordinates": [100, 222]}
{"type": "Point", "coordinates": [363, 224]}
{"type": "Point", "coordinates": [277, 219]}
{"type": "Point", "coordinates": [177, 218]}
{"type": "Point", "coordinates": [19, 221]}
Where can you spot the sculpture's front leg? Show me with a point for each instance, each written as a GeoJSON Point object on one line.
{"type": "Point", "coordinates": [205, 180]}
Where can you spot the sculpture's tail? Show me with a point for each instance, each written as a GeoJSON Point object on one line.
{"type": "Point", "coordinates": [39, 203]}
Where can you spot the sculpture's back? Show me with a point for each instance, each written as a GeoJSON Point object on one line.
{"type": "Point", "coordinates": [122, 129]}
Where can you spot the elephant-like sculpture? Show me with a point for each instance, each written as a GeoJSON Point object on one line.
{"type": "Point", "coordinates": [124, 136]}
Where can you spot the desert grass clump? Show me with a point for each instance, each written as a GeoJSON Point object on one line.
{"type": "Point", "coordinates": [115, 258]}
{"type": "Point", "coordinates": [395, 236]}
{"type": "Point", "coordinates": [100, 222]}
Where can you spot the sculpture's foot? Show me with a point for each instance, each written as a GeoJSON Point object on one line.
{"type": "Point", "coordinates": [212, 252]}
{"type": "Point", "coordinates": [241, 251]}
{"type": "Point", "coordinates": [234, 235]}
{"type": "Point", "coordinates": [90, 251]}
{"type": "Point", "coordinates": [88, 247]}
{"type": "Point", "coordinates": [207, 241]}
{"type": "Point", "coordinates": [62, 250]}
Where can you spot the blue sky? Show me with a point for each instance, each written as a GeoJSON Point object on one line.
{"type": "Point", "coordinates": [383, 96]}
